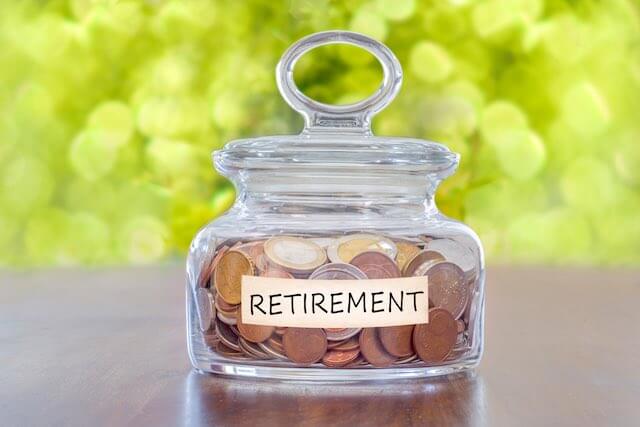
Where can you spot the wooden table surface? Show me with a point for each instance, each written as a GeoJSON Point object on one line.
{"type": "Point", "coordinates": [92, 348]}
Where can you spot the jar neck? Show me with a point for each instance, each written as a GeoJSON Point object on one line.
{"type": "Point", "coordinates": [349, 193]}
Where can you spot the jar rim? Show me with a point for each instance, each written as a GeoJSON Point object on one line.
{"type": "Point", "coordinates": [343, 151]}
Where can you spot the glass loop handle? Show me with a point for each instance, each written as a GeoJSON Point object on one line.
{"type": "Point", "coordinates": [352, 118]}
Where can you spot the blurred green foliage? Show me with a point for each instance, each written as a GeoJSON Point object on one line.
{"type": "Point", "coordinates": [109, 111]}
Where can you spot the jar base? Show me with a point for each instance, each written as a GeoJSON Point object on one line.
{"type": "Point", "coordinates": [234, 369]}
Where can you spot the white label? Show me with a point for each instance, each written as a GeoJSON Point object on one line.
{"type": "Point", "coordinates": [334, 303]}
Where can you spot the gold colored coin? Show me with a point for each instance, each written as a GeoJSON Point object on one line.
{"type": "Point", "coordinates": [406, 251]}
{"type": "Point", "coordinates": [228, 275]}
{"type": "Point", "coordinates": [347, 247]}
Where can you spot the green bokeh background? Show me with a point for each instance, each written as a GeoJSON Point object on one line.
{"type": "Point", "coordinates": [109, 111]}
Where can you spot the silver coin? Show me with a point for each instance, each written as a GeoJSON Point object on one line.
{"type": "Point", "coordinates": [341, 334]}
{"type": "Point", "coordinates": [205, 308]}
{"type": "Point", "coordinates": [422, 269]}
{"type": "Point", "coordinates": [407, 359]}
{"type": "Point", "coordinates": [294, 254]}
{"type": "Point", "coordinates": [272, 351]}
{"type": "Point", "coordinates": [338, 271]}
{"type": "Point", "coordinates": [252, 349]}
{"type": "Point", "coordinates": [323, 242]}
{"type": "Point", "coordinates": [227, 320]}
{"type": "Point", "coordinates": [456, 253]}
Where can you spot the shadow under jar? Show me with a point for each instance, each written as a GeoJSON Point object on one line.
{"type": "Point", "coordinates": [336, 207]}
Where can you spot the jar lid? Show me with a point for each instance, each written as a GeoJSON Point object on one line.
{"type": "Point", "coordinates": [337, 135]}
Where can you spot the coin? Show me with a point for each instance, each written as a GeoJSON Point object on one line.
{"type": "Point", "coordinates": [227, 336]}
{"type": "Point", "coordinates": [455, 252]}
{"type": "Point", "coordinates": [228, 275]}
{"type": "Point", "coordinates": [338, 359]}
{"type": "Point", "coordinates": [275, 342]}
{"type": "Point", "coordinates": [376, 265]}
{"type": "Point", "coordinates": [229, 318]}
{"type": "Point", "coordinates": [346, 248]}
{"type": "Point", "coordinates": [406, 251]}
{"type": "Point", "coordinates": [276, 272]}
{"type": "Point", "coordinates": [323, 242]}
{"type": "Point", "coordinates": [252, 349]}
{"type": "Point", "coordinates": [447, 288]}
{"type": "Point", "coordinates": [253, 333]}
{"type": "Point", "coordinates": [223, 350]}
{"type": "Point", "coordinates": [273, 352]}
{"type": "Point", "coordinates": [434, 341]}
{"type": "Point", "coordinates": [280, 330]}
{"type": "Point", "coordinates": [422, 257]}
{"type": "Point", "coordinates": [255, 251]}
{"type": "Point", "coordinates": [406, 360]}
{"type": "Point", "coordinates": [205, 308]}
{"type": "Point", "coordinates": [340, 334]}
{"type": "Point", "coordinates": [210, 339]}
{"type": "Point", "coordinates": [337, 271]}
{"type": "Point", "coordinates": [211, 267]}
{"type": "Point", "coordinates": [359, 362]}
{"type": "Point", "coordinates": [224, 306]}
{"type": "Point", "coordinates": [294, 254]}
{"type": "Point", "coordinates": [461, 327]}
{"type": "Point", "coordinates": [346, 345]}
{"type": "Point", "coordinates": [372, 349]}
{"type": "Point", "coordinates": [397, 340]}
{"type": "Point", "coordinates": [304, 345]}
{"type": "Point", "coordinates": [252, 249]}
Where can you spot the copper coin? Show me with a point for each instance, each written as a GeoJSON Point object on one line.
{"type": "Point", "coordinates": [261, 262]}
{"type": "Point", "coordinates": [207, 276]}
{"type": "Point", "coordinates": [253, 333]}
{"type": "Point", "coordinates": [397, 340]}
{"type": "Point", "coordinates": [252, 249]}
{"type": "Point", "coordinates": [337, 271]}
{"type": "Point", "coordinates": [304, 345]}
{"type": "Point", "coordinates": [434, 341]}
{"type": "Point", "coordinates": [346, 345]}
{"type": "Point", "coordinates": [228, 275]}
{"type": "Point", "coordinates": [376, 265]}
{"type": "Point", "coordinates": [227, 336]}
{"type": "Point", "coordinates": [372, 349]}
{"type": "Point", "coordinates": [419, 259]}
{"type": "Point", "coordinates": [447, 288]}
{"type": "Point", "coordinates": [205, 309]}
{"type": "Point", "coordinates": [358, 362]}
{"type": "Point", "coordinates": [341, 334]}
{"type": "Point", "coordinates": [338, 359]}
{"type": "Point", "coordinates": [276, 272]}
{"type": "Point", "coordinates": [222, 305]}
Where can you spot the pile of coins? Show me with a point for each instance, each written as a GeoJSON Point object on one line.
{"type": "Point", "coordinates": [451, 267]}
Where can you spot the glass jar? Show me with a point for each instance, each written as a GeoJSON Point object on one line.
{"type": "Point", "coordinates": [335, 211]}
